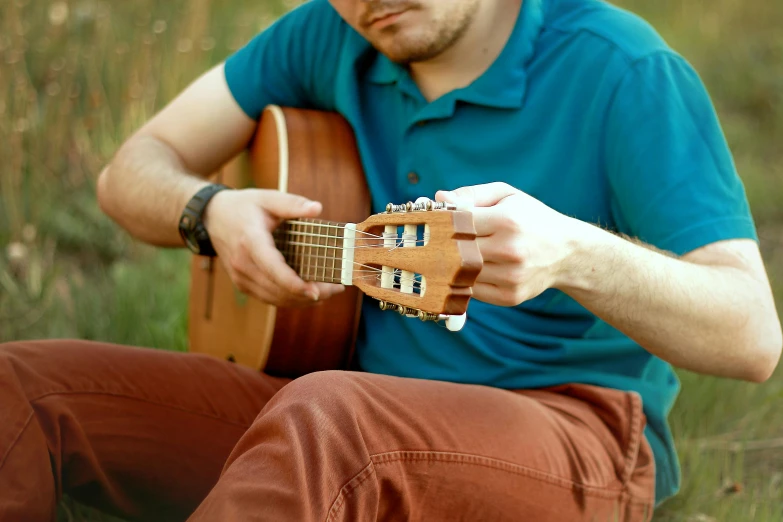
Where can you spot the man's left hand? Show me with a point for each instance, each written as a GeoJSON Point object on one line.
{"type": "Point", "coordinates": [525, 244]}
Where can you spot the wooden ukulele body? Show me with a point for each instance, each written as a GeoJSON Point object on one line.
{"type": "Point", "coordinates": [312, 154]}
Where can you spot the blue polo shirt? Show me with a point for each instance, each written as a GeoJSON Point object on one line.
{"type": "Point", "coordinates": [586, 109]}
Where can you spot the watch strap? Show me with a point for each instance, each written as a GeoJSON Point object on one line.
{"type": "Point", "coordinates": [191, 224]}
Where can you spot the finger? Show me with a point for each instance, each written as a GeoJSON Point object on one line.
{"type": "Point", "coordinates": [488, 220]}
{"type": "Point", "coordinates": [272, 265]}
{"type": "Point", "coordinates": [284, 205]}
{"type": "Point", "coordinates": [268, 293]}
{"type": "Point", "coordinates": [497, 274]}
{"type": "Point", "coordinates": [327, 290]}
{"type": "Point", "coordinates": [493, 294]}
{"type": "Point", "coordinates": [254, 288]}
{"type": "Point", "coordinates": [497, 248]}
{"type": "Point", "coordinates": [253, 281]}
{"type": "Point", "coordinates": [485, 195]}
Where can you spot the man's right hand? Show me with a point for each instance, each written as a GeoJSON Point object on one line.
{"type": "Point", "coordinates": [240, 225]}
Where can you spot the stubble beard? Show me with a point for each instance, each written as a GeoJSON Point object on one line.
{"type": "Point", "coordinates": [425, 43]}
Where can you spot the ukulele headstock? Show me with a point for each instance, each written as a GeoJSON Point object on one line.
{"type": "Point", "coordinates": [418, 259]}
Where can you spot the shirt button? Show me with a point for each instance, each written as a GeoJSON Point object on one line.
{"type": "Point", "coordinates": [413, 178]}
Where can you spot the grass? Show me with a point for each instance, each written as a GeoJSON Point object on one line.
{"type": "Point", "coordinates": [77, 77]}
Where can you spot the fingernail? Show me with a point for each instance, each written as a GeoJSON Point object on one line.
{"type": "Point", "coordinates": [313, 294]}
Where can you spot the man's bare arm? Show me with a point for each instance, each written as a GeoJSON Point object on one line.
{"type": "Point", "coordinates": [156, 172]}
{"type": "Point", "coordinates": [710, 311]}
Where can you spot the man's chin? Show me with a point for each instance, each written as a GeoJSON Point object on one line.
{"type": "Point", "coordinates": [404, 55]}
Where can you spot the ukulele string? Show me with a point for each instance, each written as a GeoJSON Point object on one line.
{"type": "Point", "coordinates": [367, 268]}
{"type": "Point", "coordinates": [372, 237]}
{"type": "Point", "coordinates": [397, 244]}
{"type": "Point", "coordinates": [416, 283]}
{"type": "Point", "coordinates": [338, 227]}
{"type": "Point", "coordinates": [331, 258]}
{"type": "Point", "coordinates": [374, 273]}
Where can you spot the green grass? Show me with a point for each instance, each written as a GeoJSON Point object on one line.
{"type": "Point", "coordinates": [73, 87]}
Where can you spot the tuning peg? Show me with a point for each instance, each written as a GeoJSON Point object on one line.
{"type": "Point", "coordinates": [385, 305]}
{"type": "Point", "coordinates": [455, 322]}
{"type": "Point", "coordinates": [407, 311]}
{"type": "Point", "coordinates": [391, 208]}
{"type": "Point", "coordinates": [423, 205]}
{"type": "Point", "coordinates": [426, 316]}
{"type": "Point", "coordinates": [402, 310]}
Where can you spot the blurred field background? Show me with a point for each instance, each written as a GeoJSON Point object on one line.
{"type": "Point", "coordinates": [78, 76]}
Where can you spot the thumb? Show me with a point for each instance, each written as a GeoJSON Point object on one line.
{"type": "Point", "coordinates": [284, 205]}
{"type": "Point", "coordinates": [486, 195]}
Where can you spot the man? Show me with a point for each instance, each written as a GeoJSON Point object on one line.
{"type": "Point", "coordinates": [548, 116]}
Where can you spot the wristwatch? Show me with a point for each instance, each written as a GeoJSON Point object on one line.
{"type": "Point", "coordinates": [191, 225]}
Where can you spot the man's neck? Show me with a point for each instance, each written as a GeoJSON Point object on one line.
{"type": "Point", "coordinates": [472, 54]}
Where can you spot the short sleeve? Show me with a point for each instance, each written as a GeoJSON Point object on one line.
{"type": "Point", "coordinates": [292, 63]}
{"type": "Point", "coordinates": [673, 180]}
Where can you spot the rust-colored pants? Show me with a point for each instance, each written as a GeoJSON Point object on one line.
{"type": "Point", "coordinates": [155, 435]}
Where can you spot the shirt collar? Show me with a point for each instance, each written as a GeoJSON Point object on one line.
{"type": "Point", "coordinates": [503, 85]}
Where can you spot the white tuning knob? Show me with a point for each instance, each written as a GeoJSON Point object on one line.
{"type": "Point", "coordinates": [455, 322]}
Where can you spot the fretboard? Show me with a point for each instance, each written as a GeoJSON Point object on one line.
{"type": "Point", "coordinates": [313, 248]}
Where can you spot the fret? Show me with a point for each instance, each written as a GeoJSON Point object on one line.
{"type": "Point", "coordinates": [306, 239]}
{"type": "Point", "coordinates": [317, 247]}
{"type": "Point", "coordinates": [312, 248]}
{"type": "Point", "coordinates": [288, 243]}
{"type": "Point", "coordinates": [284, 239]}
{"type": "Point", "coordinates": [327, 276]}
{"type": "Point", "coordinates": [297, 249]}
{"type": "Point", "coordinates": [315, 227]}
{"type": "Point", "coordinates": [312, 251]}
{"type": "Point", "coordinates": [322, 241]}
{"type": "Point", "coordinates": [302, 240]}
{"type": "Point", "coordinates": [333, 255]}
{"type": "Point", "coordinates": [289, 248]}
{"type": "Point", "coordinates": [337, 264]}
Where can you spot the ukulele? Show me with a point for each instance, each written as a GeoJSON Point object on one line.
{"type": "Point", "coordinates": [419, 259]}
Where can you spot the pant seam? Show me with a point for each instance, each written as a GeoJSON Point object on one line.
{"type": "Point", "coordinates": [389, 457]}
{"type": "Point", "coordinates": [357, 480]}
{"type": "Point", "coordinates": [634, 441]}
{"type": "Point", "coordinates": [16, 439]}
{"type": "Point", "coordinates": [142, 399]}
{"type": "Point", "coordinates": [501, 465]}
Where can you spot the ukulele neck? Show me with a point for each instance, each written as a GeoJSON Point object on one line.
{"type": "Point", "coordinates": [317, 250]}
